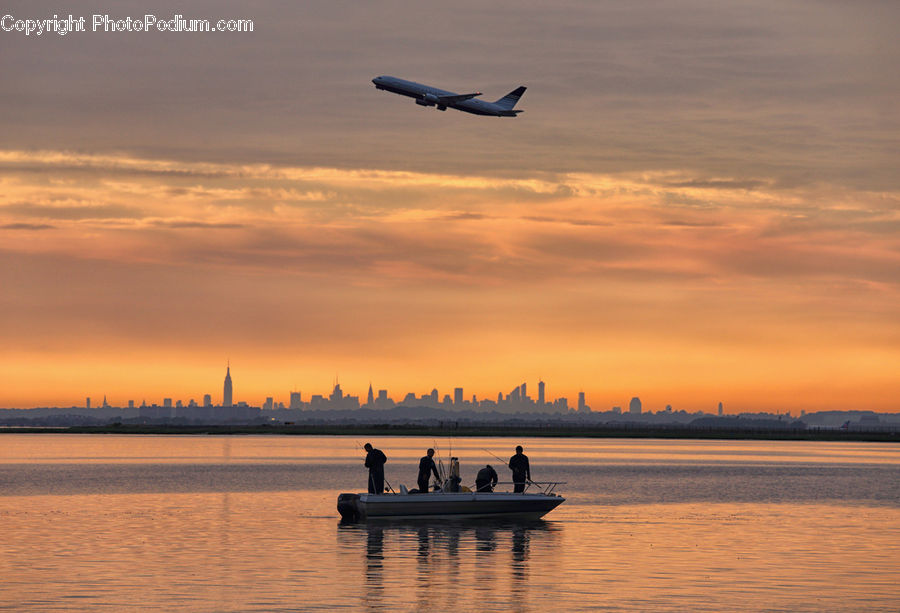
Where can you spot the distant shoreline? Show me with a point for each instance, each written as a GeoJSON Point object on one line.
{"type": "Point", "coordinates": [506, 431]}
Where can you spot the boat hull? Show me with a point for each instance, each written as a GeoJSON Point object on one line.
{"type": "Point", "coordinates": [438, 505]}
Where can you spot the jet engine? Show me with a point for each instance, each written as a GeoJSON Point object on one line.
{"type": "Point", "coordinates": [422, 102]}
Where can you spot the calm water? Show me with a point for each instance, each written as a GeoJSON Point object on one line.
{"type": "Point", "coordinates": [249, 524]}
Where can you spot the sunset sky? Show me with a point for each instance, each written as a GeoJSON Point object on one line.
{"type": "Point", "coordinates": [700, 203]}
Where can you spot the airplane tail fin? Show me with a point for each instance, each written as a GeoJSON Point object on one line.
{"type": "Point", "coordinates": [509, 100]}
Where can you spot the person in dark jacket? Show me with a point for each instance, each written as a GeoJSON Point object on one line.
{"type": "Point", "coordinates": [521, 471]}
{"type": "Point", "coordinates": [375, 460]}
{"type": "Point", "coordinates": [426, 468]}
{"type": "Point", "coordinates": [486, 479]}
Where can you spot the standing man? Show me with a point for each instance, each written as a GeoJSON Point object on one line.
{"type": "Point", "coordinates": [375, 460]}
{"type": "Point", "coordinates": [486, 479]}
{"type": "Point", "coordinates": [426, 468]}
{"type": "Point", "coordinates": [521, 471]}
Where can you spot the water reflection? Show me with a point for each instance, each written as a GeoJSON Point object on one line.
{"type": "Point", "coordinates": [519, 566]}
{"type": "Point", "coordinates": [374, 566]}
{"type": "Point", "coordinates": [423, 559]}
{"type": "Point", "coordinates": [484, 538]}
{"type": "Point", "coordinates": [474, 562]}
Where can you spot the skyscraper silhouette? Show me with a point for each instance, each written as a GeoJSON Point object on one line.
{"type": "Point", "coordinates": [634, 407]}
{"type": "Point", "coordinates": [226, 393]}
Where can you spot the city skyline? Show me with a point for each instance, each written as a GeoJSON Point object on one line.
{"type": "Point", "coordinates": [601, 400]}
{"type": "Point", "coordinates": [517, 400]}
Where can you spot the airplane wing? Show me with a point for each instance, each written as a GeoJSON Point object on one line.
{"type": "Point", "coordinates": [458, 98]}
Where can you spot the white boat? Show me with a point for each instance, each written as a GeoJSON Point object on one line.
{"type": "Point", "coordinates": [445, 505]}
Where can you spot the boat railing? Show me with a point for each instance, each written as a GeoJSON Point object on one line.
{"type": "Point", "coordinates": [546, 487]}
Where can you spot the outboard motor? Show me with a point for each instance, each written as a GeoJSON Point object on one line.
{"type": "Point", "coordinates": [453, 481]}
{"type": "Point", "coordinates": [348, 508]}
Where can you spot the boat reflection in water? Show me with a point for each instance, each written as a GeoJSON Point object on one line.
{"type": "Point", "coordinates": [465, 562]}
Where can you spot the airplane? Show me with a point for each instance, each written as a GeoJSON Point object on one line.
{"type": "Point", "coordinates": [432, 96]}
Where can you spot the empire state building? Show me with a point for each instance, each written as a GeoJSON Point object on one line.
{"type": "Point", "coordinates": [226, 393]}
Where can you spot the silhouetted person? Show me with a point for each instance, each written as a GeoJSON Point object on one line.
{"type": "Point", "coordinates": [521, 471]}
{"type": "Point", "coordinates": [486, 479]}
{"type": "Point", "coordinates": [375, 460]}
{"type": "Point", "coordinates": [426, 469]}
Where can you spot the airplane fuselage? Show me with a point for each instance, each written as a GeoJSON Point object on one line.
{"type": "Point", "coordinates": [425, 95]}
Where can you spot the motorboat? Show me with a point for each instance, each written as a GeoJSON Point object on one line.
{"type": "Point", "coordinates": [450, 499]}
{"type": "Point", "coordinates": [443, 504]}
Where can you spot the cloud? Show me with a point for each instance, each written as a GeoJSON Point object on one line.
{"type": "Point", "coordinates": [727, 184]}
{"type": "Point", "coordinates": [372, 226]}
{"type": "Point", "coordinates": [72, 212]}
{"type": "Point", "coordinates": [27, 226]}
{"type": "Point", "coordinates": [198, 224]}
{"type": "Point", "coordinates": [466, 216]}
{"type": "Point", "coordinates": [557, 220]}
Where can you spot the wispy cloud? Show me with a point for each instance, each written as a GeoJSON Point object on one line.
{"type": "Point", "coordinates": [27, 226]}
{"type": "Point", "coordinates": [86, 211]}
{"type": "Point", "coordinates": [198, 224]}
{"type": "Point", "coordinates": [389, 226]}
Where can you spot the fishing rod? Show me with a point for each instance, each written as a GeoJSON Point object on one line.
{"type": "Point", "coordinates": [371, 482]}
{"type": "Point", "coordinates": [494, 454]}
{"type": "Point", "coordinates": [440, 462]}
{"type": "Point", "coordinates": [527, 480]}
{"type": "Point", "coordinates": [442, 472]}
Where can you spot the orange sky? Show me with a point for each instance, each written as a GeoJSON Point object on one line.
{"type": "Point", "coordinates": [699, 204]}
{"type": "Point", "coordinates": [133, 281]}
